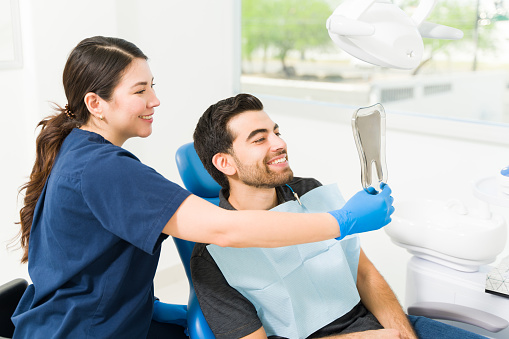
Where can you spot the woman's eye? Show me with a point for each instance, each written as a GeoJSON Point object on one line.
{"type": "Point", "coordinates": [152, 86]}
{"type": "Point", "coordinates": [140, 92]}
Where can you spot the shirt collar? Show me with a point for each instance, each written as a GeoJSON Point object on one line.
{"type": "Point", "coordinates": [224, 194]}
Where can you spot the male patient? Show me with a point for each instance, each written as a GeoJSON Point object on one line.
{"type": "Point", "coordinates": [255, 174]}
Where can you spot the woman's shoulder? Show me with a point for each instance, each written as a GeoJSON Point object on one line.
{"type": "Point", "coordinates": [92, 145]}
{"type": "Point", "coordinates": [84, 153]}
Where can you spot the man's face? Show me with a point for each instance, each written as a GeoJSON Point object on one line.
{"type": "Point", "coordinates": [259, 153]}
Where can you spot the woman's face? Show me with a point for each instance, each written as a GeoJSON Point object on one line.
{"type": "Point", "coordinates": [130, 111]}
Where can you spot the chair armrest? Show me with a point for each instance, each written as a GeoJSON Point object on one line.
{"type": "Point", "coordinates": [197, 325]}
{"type": "Point", "coordinates": [10, 294]}
{"type": "Point", "coordinates": [170, 313]}
{"type": "Point", "coordinates": [463, 314]}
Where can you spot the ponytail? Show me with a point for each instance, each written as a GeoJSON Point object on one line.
{"type": "Point", "coordinates": [54, 130]}
{"type": "Point", "coordinates": [95, 65]}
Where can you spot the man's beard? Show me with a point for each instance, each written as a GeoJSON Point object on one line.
{"type": "Point", "coordinates": [262, 176]}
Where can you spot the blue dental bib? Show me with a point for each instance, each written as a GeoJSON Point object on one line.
{"type": "Point", "coordinates": [299, 289]}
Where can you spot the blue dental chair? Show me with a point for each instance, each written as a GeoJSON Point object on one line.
{"type": "Point", "coordinates": [197, 181]}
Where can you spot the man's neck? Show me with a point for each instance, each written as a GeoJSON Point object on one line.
{"type": "Point", "coordinates": [243, 197]}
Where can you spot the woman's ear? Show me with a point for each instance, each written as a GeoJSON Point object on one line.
{"type": "Point", "coordinates": [94, 104]}
{"type": "Point", "coordinates": [224, 163]}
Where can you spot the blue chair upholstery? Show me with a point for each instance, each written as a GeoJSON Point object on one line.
{"type": "Point", "coordinates": [195, 177]}
{"type": "Point", "coordinates": [198, 181]}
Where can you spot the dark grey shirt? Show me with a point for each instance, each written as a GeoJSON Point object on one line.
{"type": "Point", "coordinates": [229, 314]}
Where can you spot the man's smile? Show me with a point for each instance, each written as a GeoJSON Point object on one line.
{"type": "Point", "coordinates": [278, 160]}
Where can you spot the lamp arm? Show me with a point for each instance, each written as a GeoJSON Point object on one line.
{"type": "Point", "coordinates": [437, 31]}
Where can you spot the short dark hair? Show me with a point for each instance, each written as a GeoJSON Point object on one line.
{"type": "Point", "coordinates": [212, 135]}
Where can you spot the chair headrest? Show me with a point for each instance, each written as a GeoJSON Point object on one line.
{"type": "Point", "coordinates": [195, 177]}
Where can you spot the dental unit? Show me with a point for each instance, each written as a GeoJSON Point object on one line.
{"type": "Point", "coordinates": [503, 180]}
{"type": "Point", "coordinates": [448, 276]}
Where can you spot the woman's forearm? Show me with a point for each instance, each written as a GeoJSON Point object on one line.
{"type": "Point", "coordinates": [200, 221]}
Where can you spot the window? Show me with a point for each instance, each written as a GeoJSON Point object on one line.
{"type": "Point", "coordinates": [10, 37]}
{"type": "Point", "coordinates": [287, 52]}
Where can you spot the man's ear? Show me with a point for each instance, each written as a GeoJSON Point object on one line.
{"type": "Point", "coordinates": [224, 163]}
{"type": "Point", "coordinates": [94, 104]}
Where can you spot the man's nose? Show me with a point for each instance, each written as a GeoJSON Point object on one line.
{"type": "Point", "coordinates": [277, 143]}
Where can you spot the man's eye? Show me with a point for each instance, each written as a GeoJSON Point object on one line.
{"type": "Point", "coordinates": [259, 140]}
{"type": "Point", "coordinates": [278, 134]}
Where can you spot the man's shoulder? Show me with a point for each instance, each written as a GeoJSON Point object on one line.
{"type": "Point", "coordinates": [304, 185]}
{"type": "Point", "coordinates": [200, 251]}
{"type": "Point", "coordinates": [300, 186]}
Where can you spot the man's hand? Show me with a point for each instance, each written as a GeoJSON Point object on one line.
{"type": "Point", "coordinates": [365, 212]}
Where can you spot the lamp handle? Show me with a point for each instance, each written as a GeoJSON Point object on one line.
{"type": "Point", "coordinates": [423, 10]}
{"type": "Point", "coordinates": [353, 9]}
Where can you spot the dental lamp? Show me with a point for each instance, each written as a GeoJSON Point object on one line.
{"type": "Point", "coordinates": [380, 33]}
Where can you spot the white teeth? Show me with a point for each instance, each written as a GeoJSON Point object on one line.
{"type": "Point", "coordinates": [146, 117]}
{"type": "Point", "coordinates": [278, 161]}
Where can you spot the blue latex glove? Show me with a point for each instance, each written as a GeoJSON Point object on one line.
{"type": "Point", "coordinates": [365, 212]}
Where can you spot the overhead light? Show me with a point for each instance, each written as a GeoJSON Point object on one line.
{"type": "Point", "coordinates": [381, 33]}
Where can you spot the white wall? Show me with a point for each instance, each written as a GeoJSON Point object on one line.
{"type": "Point", "coordinates": [468, 95]}
{"type": "Point", "coordinates": [190, 46]}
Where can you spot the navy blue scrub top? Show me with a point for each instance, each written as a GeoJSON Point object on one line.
{"type": "Point", "coordinates": [95, 243]}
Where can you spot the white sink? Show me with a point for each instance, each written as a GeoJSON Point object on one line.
{"type": "Point", "coordinates": [447, 231]}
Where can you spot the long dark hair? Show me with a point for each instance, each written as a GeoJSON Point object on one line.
{"type": "Point", "coordinates": [95, 65]}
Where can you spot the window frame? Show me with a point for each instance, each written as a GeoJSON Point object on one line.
{"type": "Point", "coordinates": [17, 60]}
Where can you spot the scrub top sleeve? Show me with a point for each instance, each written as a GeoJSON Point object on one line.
{"type": "Point", "coordinates": [130, 199]}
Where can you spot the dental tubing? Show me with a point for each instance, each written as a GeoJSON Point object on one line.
{"type": "Point", "coordinates": [365, 212]}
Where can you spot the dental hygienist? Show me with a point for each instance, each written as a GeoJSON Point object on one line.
{"type": "Point", "coordinates": [94, 216]}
